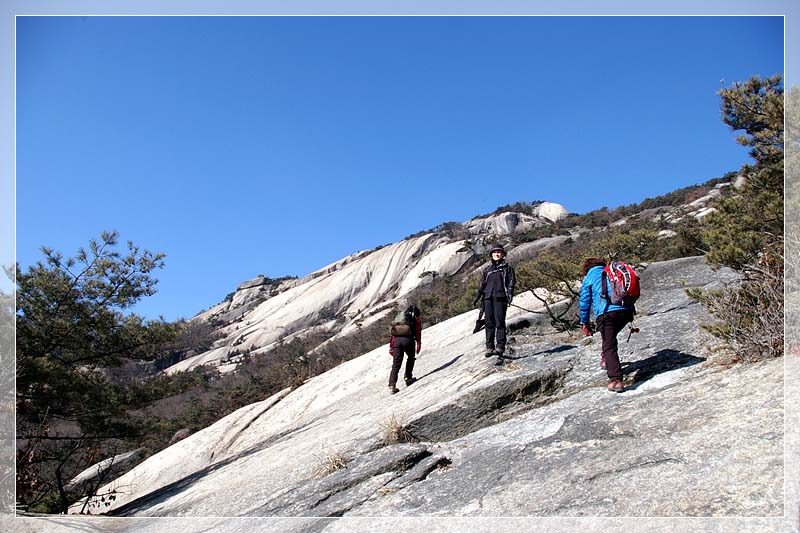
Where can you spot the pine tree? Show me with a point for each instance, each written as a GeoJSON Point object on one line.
{"type": "Point", "coordinates": [746, 231]}
{"type": "Point", "coordinates": [71, 329]}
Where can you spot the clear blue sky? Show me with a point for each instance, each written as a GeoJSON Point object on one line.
{"type": "Point", "coordinates": [260, 145]}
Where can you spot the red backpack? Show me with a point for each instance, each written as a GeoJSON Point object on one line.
{"type": "Point", "coordinates": [624, 283]}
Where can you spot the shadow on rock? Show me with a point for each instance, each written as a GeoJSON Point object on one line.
{"type": "Point", "coordinates": [675, 308]}
{"type": "Point", "coordinates": [556, 349]}
{"type": "Point", "coordinates": [663, 361]}
{"type": "Point", "coordinates": [449, 363]}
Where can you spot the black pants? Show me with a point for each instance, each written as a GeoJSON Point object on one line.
{"type": "Point", "coordinates": [494, 311]}
{"type": "Point", "coordinates": [609, 325]}
{"type": "Point", "coordinates": [402, 345]}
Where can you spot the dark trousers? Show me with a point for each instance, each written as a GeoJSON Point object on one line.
{"type": "Point", "coordinates": [610, 324]}
{"type": "Point", "coordinates": [494, 310]}
{"type": "Point", "coordinates": [402, 345]}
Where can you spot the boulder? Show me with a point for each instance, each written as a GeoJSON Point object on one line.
{"type": "Point", "coordinates": [106, 469]}
{"type": "Point", "coordinates": [551, 211]}
{"type": "Point", "coordinates": [180, 435]}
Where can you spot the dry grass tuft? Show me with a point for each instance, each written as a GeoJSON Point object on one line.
{"type": "Point", "coordinates": [329, 463]}
{"type": "Point", "coordinates": [395, 431]}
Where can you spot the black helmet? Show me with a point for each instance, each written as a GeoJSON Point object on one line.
{"type": "Point", "coordinates": [413, 310]}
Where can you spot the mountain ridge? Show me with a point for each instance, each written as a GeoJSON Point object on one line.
{"type": "Point", "coordinates": [342, 297]}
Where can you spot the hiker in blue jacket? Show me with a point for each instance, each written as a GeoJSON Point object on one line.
{"type": "Point", "coordinates": [610, 319]}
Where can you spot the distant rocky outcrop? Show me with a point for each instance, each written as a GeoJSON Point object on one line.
{"type": "Point", "coordinates": [180, 435]}
{"type": "Point", "coordinates": [508, 223]}
{"type": "Point", "coordinates": [537, 436]}
{"type": "Point", "coordinates": [106, 469]}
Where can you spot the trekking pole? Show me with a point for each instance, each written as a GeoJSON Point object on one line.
{"type": "Point", "coordinates": [631, 331]}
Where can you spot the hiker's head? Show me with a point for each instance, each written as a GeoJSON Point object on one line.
{"type": "Point", "coordinates": [592, 262]}
{"type": "Point", "coordinates": [497, 252]}
{"type": "Point", "coordinates": [413, 310]}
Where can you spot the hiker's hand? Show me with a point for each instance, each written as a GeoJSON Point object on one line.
{"type": "Point", "coordinates": [419, 347]}
{"type": "Point", "coordinates": [391, 352]}
{"type": "Point", "coordinates": [476, 300]}
{"type": "Point", "coordinates": [587, 331]}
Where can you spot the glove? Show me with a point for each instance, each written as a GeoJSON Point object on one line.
{"type": "Point", "coordinates": [476, 300]}
{"type": "Point", "coordinates": [587, 331]}
{"type": "Point", "coordinates": [419, 347]}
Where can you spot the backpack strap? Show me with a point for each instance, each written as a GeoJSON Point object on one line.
{"type": "Point", "coordinates": [603, 286]}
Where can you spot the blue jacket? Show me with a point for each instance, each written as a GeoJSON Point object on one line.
{"type": "Point", "coordinates": [592, 298]}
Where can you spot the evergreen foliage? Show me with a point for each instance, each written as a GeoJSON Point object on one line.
{"type": "Point", "coordinates": [553, 276]}
{"type": "Point", "coordinates": [70, 328]}
{"type": "Point", "coordinates": [746, 231]}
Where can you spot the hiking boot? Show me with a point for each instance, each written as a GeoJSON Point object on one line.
{"type": "Point", "coordinates": [616, 386]}
{"type": "Point", "coordinates": [490, 352]}
{"type": "Point", "coordinates": [393, 389]}
{"type": "Point", "coordinates": [499, 361]}
{"type": "Point", "coordinates": [410, 381]}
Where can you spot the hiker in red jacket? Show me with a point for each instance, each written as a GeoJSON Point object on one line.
{"type": "Point", "coordinates": [406, 331]}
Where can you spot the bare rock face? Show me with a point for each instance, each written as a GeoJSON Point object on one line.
{"type": "Point", "coordinates": [529, 250]}
{"type": "Point", "coordinates": [510, 222]}
{"type": "Point", "coordinates": [502, 224]}
{"type": "Point", "coordinates": [180, 435]}
{"type": "Point", "coordinates": [105, 469]}
{"type": "Point", "coordinates": [336, 298]}
{"type": "Point", "coordinates": [255, 282]}
{"type": "Point", "coordinates": [551, 211]}
{"type": "Point", "coordinates": [539, 435]}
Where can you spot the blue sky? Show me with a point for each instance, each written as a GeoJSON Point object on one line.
{"type": "Point", "coordinates": [258, 145]}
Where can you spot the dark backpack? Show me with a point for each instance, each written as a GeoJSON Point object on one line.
{"type": "Point", "coordinates": [403, 324]}
{"type": "Point", "coordinates": [623, 282]}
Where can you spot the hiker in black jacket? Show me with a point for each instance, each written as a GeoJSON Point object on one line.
{"type": "Point", "coordinates": [403, 341]}
{"type": "Point", "coordinates": [495, 293]}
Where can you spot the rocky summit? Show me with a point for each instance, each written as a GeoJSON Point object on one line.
{"type": "Point", "coordinates": [538, 436]}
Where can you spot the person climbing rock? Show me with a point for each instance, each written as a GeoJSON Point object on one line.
{"type": "Point", "coordinates": [495, 294]}
{"type": "Point", "coordinates": [610, 319]}
{"type": "Point", "coordinates": [406, 332]}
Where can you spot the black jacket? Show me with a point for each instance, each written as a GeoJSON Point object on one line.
{"type": "Point", "coordinates": [498, 281]}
